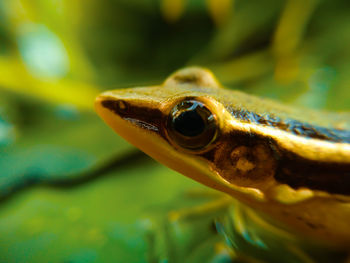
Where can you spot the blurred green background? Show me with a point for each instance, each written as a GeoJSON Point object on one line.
{"type": "Point", "coordinates": [73, 191]}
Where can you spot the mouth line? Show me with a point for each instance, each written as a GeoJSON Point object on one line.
{"type": "Point", "coordinates": [141, 124]}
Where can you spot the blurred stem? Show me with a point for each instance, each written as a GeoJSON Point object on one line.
{"type": "Point", "coordinates": [244, 68]}
{"type": "Point", "coordinates": [292, 25]}
{"type": "Point", "coordinates": [246, 24]}
{"type": "Point", "coordinates": [289, 36]}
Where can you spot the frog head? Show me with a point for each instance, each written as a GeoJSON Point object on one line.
{"type": "Point", "coordinates": [184, 124]}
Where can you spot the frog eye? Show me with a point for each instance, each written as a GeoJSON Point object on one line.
{"type": "Point", "coordinates": [191, 125]}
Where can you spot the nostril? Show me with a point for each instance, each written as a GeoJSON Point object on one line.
{"type": "Point", "coordinates": [121, 105]}
{"type": "Point", "coordinates": [117, 106]}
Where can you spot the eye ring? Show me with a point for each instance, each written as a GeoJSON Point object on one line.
{"type": "Point", "coordinates": [192, 125]}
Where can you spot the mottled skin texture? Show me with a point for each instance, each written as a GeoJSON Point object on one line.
{"type": "Point", "coordinates": [292, 165]}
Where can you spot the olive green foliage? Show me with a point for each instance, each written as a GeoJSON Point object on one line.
{"type": "Point", "coordinates": [73, 191]}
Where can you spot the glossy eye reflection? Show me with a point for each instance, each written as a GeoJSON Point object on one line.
{"type": "Point", "coordinates": [189, 122]}
{"type": "Point", "coordinates": [192, 125]}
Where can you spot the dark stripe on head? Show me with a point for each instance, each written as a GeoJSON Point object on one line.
{"type": "Point", "coordinates": [296, 127]}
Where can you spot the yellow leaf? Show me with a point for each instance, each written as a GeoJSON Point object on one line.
{"type": "Point", "coordinates": [172, 9]}
{"type": "Point", "coordinates": [220, 10]}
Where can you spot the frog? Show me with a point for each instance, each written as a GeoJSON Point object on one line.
{"type": "Point", "coordinates": [289, 165]}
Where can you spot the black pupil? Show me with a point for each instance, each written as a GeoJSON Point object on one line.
{"type": "Point", "coordinates": [189, 123]}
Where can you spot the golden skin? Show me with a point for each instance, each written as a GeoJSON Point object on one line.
{"type": "Point", "coordinates": [244, 157]}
